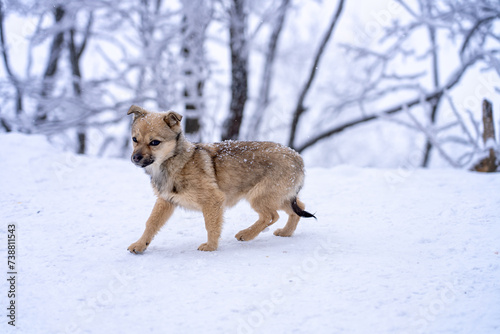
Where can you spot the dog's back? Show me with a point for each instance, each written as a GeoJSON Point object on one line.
{"type": "Point", "coordinates": [256, 169]}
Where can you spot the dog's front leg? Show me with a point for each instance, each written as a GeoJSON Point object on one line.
{"type": "Point", "coordinates": [160, 214]}
{"type": "Point", "coordinates": [213, 211]}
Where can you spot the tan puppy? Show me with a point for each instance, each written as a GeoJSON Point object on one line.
{"type": "Point", "coordinates": [210, 177]}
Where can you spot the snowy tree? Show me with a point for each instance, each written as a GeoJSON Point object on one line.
{"type": "Point", "coordinates": [56, 107]}
{"type": "Point", "coordinates": [134, 42]}
{"type": "Point", "coordinates": [11, 76]}
{"type": "Point", "coordinates": [238, 44]}
{"type": "Point", "coordinates": [471, 28]}
{"type": "Point", "coordinates": [300, 108]}
{"type": "Point", "coordinates": [263, 95]}
{"type": "Point", "coordinates": [77, 67]}
{"type": "Point", "coordinates": [196, 18]}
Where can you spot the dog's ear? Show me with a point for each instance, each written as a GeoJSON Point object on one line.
{"type": "Point", "coordinates": [137, 111]}
{"type": "Point", "coordinates": [172, 118]}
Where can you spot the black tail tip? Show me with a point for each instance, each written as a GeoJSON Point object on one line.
{"type": "Point", "coordinates": [306, 214]}
{"type": "Point", "coordinates": [300, 212]}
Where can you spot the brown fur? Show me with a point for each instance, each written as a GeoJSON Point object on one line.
{"type": "Point", "coordinates": [210, 177]}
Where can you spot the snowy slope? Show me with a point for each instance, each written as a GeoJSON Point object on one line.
{"type": "Point", "coordinates": [391, 252]}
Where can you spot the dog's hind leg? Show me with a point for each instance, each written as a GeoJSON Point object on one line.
{"type": "Point", "coordinates": [159, 216]}
{"type": "Point", "coordinates": [265, 220]}
{"type": "Point", "coordinates": [293, 219]}
{"type": "Point", "coordinates": [267, 217]}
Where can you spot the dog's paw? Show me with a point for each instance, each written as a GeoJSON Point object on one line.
{"type": "Point", "coordinates": [205, 247]}
{"type": "Point", "coordinates": [282, 233]}
{"type": "Point", "coordinates": [246, 235]}
{"type": "Point", "coordinates": [138, 247]}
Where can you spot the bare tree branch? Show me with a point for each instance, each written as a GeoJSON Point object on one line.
{"type": "Point", "coordinates": [300, 108]}
{"type": "Point", "coordinates": [472, 141]}
{"type": "Point", "coordinates": [435, 79]}
{"type": "Point", "coordinates": [428, 98]}
{"type": "Point", "coordinates": [265, 84]}
{"type": "Point", "coordinates": [12, 77]}
{"type": "Point", "coordinates": [86, 36]}
{"type": "Point", "coordinates": [430, 137]}
{"type": "Point", "coordinates": [473, 30]}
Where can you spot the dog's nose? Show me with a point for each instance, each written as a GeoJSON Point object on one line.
{"type": "Point", "coordinates": [137, 157]}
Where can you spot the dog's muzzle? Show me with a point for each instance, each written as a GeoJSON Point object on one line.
{"type": "Point", "coordinates": [139, 160]}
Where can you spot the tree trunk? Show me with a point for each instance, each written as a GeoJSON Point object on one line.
{"type": "Point", "coordinates": [265, 85]}
{"type": "Point", "coordinates": [194, 110]}
{"type": "Point", "coordinates": [75, 54]}
{"type": "Point", "coordinates": [12, 77]}
{"type": "Point", "coordinates": [488, 164]}
{"type": "Point", "coordinates": [194, 23]}
{"type": "Point", "coordinates": [239, 69]}
{"type": "Point", "coordinates": [5, 125]}
{"type": "Point", "coordinates": [51, 69]}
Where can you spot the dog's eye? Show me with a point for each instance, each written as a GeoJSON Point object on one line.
{"type": "Point", "coordinates": [134, 139]}
{"type": "Point", "coordinates": [154, 143]}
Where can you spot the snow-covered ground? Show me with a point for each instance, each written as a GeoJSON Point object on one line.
{"type": "Point", "coordinates": [392, 251]}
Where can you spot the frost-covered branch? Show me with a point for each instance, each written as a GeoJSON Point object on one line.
{"type": "Point", "coordinates": [12, 77]}
{"type": "Point", "coordinates": [300, 108]}
{"type": "Point", "coordinates": [454, 79]}
{"type": "Point", "coordinates": [379, 73]}
{"type": "Point", "coordinates": [265, 82]}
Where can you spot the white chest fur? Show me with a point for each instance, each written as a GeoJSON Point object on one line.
{"type": "Point", "coordinates": [164, 187]}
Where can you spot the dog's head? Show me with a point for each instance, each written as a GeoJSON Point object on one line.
{"type": "Point", "coordinates": [154, 135]}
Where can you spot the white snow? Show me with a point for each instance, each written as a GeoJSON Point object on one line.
{"type": "Point", "coordinates": [392, 251]}
{"type": "Point", "coordinates": [490, 144]}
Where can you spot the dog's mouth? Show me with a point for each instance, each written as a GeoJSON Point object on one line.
{"type": "Point", "coordinates": [142, 161]}
{"type": "Point", "coordinates": [145, 163]}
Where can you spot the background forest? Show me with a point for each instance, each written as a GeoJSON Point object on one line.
{"type": "Point", "coordinates": [368, 83]}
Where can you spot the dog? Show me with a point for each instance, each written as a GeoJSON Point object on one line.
{"type": "Point", "coordinates": [211, 177]}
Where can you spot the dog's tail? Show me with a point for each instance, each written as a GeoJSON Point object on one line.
{"type": "Point", "coordinates": [299, 211]}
